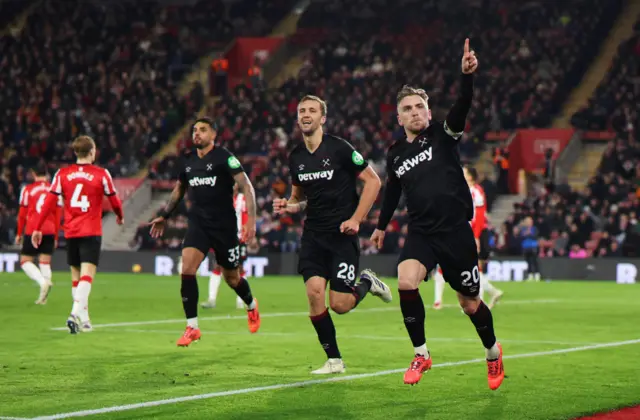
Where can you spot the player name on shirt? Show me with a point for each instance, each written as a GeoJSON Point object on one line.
{"type": "Point", "coordinates": [80, 174]}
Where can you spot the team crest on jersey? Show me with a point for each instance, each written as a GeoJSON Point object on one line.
{"type": "Point", "coordinates": [408, 164]}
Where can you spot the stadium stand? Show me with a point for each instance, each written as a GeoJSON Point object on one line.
{"type": "Point", "coordinates": [601, 221]}
{"type": "Point", "coordinates": [107, 70]}
{"type": "Point", "coordinates": [532, 55]}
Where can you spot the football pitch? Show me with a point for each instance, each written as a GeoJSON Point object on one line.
{"type": "Point", "coordinates": [570, 349]}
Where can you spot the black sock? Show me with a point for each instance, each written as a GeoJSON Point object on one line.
{"type": "Point", "coordinates": [483, 321]}
{"type": "Point", "coordinates": [413, 312]}
{"type": "Point", "coordinates": [190, 295]}
{"type": "Point", "coordinates": [244, 291]}
{"type": "Point", "coordinates": [361, 289]}
{"type": "Point", "coordinates": [326, 334]}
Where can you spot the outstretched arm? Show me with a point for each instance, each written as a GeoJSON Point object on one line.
{"type": "Point", "coordinates": [457, 116]}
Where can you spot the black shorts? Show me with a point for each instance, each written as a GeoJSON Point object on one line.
{"type": "Point", "coordinates": [455, 252]}
{"type": "Point", "coordinates": [85, 249]}
{"type": "Point", "coordinates": [485, 250]}
{"type": "Point", "coordinates": [332, 256]}
{"type": "Point", "coordinates": [47, 246]}
{"type": "Point", "coordinates": [225, 244]}
{"type": "Point", "coordinates": [243, 252]}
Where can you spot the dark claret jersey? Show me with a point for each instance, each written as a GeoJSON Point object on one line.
{"type": "Point", "coordinates": [328, 179]}
{"type": "Point", "coordinates": [209, 182]}
{"type": "Point", "coordinates": [429, 172]}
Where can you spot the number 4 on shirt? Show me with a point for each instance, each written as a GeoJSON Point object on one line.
{"type": "Point", "coordinates": [78, 200]}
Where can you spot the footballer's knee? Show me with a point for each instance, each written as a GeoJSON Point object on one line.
{"type": "Point", "coordinates": [468, 304]}
{"type": "Point", "coordinates": [25, 259]}
{"type": "Point", "coordinates": [341, 303]}
{"type": "Point", "coordinates": [410, 274]}
{"type": "Point", "coordinates": [191, 260]}
{"type": "Point", "coordinates": [316, 295]}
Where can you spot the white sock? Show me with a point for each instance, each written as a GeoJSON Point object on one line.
{"type": "Point", "coordinates": [239, 302]}
{"type": "Point", "coordinates": [214, 286]}
{"type": "Point", "coordinates": [493, 353]}
{"type": "Point", "coordinates": [422, 350]}
{"type": "Point", "coordinates": [45, 269]}
{"type": "Point", "coordinates": [33, 272]}
{"type": "Point", "coordinates": [485, 286]}
{"type": "Point", "coordinates": [536, 276]}
{"type": "Point", "coordinates": [74, 287]}
{"type": "Point", "coordinates": [252, 306]}
{"type": "Point", "coordinates": [81, 300]}
{"type": "Point", "coordinates": [438, 282]}
{"type": "Point", "coordinates": [192, 322]}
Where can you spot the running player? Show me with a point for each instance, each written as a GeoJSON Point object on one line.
{"type": "Point", "coordinates": [83, 187]}
{"type": "Point", "coordinates": [209, 176]}
{"type": "Point", "coordinates": [240, 204]}
{"type": "Point", "coordinates": [425, 165]}
{"type": "Point", "coordinates": [31, 201]}
{"type": "Point", "coordinates": [324, 170]}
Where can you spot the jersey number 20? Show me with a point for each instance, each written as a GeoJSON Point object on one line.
{"type": "Point", "coordinates": [78, 200]}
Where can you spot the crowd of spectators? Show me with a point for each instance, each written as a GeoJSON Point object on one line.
{"type": "Point", "coordinates": [531, 55]}
{"type": "Point", "coordinates": [602, 220]}
{"type": "Point", "coordinates": [614, 105]}
{"type": "Point", "coordinates": [108, 70]}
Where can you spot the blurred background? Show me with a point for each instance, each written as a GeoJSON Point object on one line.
{"type": "Point", "coordinates": [552, 129]}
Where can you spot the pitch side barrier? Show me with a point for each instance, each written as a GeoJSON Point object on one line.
{"type": "Point", "coordinates": [620, 270]}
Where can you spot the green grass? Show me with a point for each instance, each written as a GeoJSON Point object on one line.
{"type": "Point", "coordinates": [44, 372]}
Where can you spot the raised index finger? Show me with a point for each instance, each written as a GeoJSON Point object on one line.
{"type": "Point", "coordinates": [466, 46]}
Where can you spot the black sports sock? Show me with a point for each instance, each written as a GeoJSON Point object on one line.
{"type": "Point", "coordinates": [483, 321]}
{"type": "Point", "coordinates": [413, 312]}
{"type": "Point", "coordinates": [361, 289]}
{"type": "Point", "coordinates": [244, 291]}
{"type": "Point", "coordinates": [190, 295]}
{"type": "Point", "coordinates": [326, 334]}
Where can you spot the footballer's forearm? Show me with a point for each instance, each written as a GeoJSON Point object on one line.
{"type": "Point", "coordinates": [176, 196]}
{"type": "Point", "coordinates": [297, 198]}
{"type": "Point", "coordinates": [249, 193]}
{"type": "Point", "coordinates": [369, 194]}
{"type": "Point", "coordinates": [392, 193]}
{"type": "Point", "coordinates": [457, 116]}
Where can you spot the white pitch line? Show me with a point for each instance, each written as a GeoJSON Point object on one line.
{"type": "Point", "coordinates": [281, 314]}
{"type": "Point", "coordinates": [13, 418]}
{"type": "Point", "coordinates": [358, 336]}
{"type": "Point", "coordinates": [127, 407]}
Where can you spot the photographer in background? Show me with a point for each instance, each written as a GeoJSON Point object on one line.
{"type": "Point", "coordinates": [528, 235]}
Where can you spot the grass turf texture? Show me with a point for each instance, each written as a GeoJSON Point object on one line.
{"type": "Point", "coordinates": [45, 371]}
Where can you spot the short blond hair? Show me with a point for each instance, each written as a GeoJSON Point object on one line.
{"type": "Point", "coordinates": [411, 91]}
{"type": "Point", "coordinates": [323, 104]}
{"type": "Point", "coordinates": [82, 146]}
